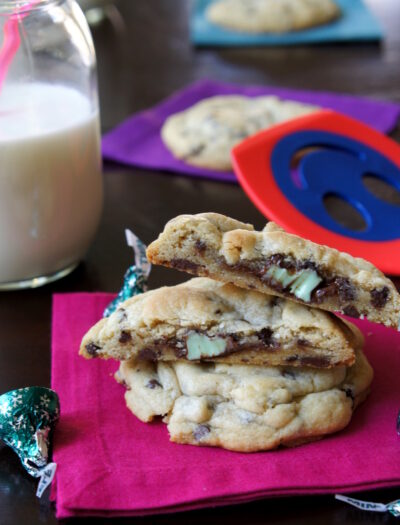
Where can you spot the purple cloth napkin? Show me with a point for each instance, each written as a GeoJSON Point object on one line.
{"type": "Point", "coordinates": [137, 140]}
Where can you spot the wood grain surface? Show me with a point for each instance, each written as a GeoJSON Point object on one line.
{"type": "Point", "coordinates": [143, 56]}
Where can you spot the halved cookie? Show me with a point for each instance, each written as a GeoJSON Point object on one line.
{"type": "Point", "coordinates": [275, 262]}
{"type": "Point", "coordinates": [206, 320]}
{"type": "Point", "coordinates": [245, 408]}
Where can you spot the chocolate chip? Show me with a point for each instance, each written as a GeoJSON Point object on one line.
{"type": "Point", "coordinates": [148, 354]}
{"type": "Point", "coordinates": [318, 362]}
{"type": "Point", "coordinates": [308, 265]}
{"type": "Point", "coordinates": [200, 246]}
{"type": "Point", "coordinates": [153, 383]}
{"type": "Point", "coordinates": [125, 337]}
{"type": "Point", "coordinates": [274, 301]}
{"type": "Point", "coordinates": [194, 151]}
{"type": "Point", "coordinates": [273, 284]}
{"type": "Point", "coordinates": [277, 259]}
{"type": "Point", "coordinates": [200, 432]}
{"type": "Point", "coordinates": [349, 392]}
{"type": "Point", "coordinates": [183, 264]}
{"type": "Point", "coordinates": [266, 337]}
{"type": "Point", "coordinates": [218, 312]}
{"type": "Point", "coordinates": [235, 337]}
{"type": "Point", "coordinates": [159, 345]}
{"type": "Point", "coordinates": [284, 261]}
{"type": "Point", "coordinates": [180, 351]}
{"type": "Point", "coordinates": [92, 349]}
{"type": "Point", "coordinates": [303, 342]}
{"type": "Point", "coordinates": [379, 297]}
{"type": "Point", "coordinates": [340, 286]}
{"type": "Point", "coordinates": [346, 290]}
{"type": "Point", "coordinates": [124, 384]}
{"type": "Point", "coordinates": [351, 311]}
{"type": "Point", "coordinates": [323, 292]}
{"type": "Point", "coordinates": [288, 373]}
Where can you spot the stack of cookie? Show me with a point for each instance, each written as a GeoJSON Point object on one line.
{"type": "Point", "coordinates": [249, 355]}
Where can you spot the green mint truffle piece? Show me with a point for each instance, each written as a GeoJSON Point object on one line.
{"type": "Point", "coordinates": [200, 345]}
{"type": "Point", "coordinates": [306, 282]}
{"type": "Point", "coordinates": [281, 275]}
{"type": "Point", "coordinates": [302, 282]}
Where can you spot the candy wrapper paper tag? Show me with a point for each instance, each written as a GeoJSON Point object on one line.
{"type": "Point", "coordinates": [393, 507]}
{"type": "Point", "coordinates": [27, 418]}
{"type": "Point", "coordinates": [136, 277]}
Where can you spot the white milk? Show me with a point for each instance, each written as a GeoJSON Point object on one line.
{"type": "Point", "coordinates": [50, 179]}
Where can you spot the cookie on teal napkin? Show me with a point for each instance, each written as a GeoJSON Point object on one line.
{"type": "Point", "coordinates": [356, 23]}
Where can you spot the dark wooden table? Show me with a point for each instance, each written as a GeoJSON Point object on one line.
{"type": "Point", "coordinates": [143, 57]}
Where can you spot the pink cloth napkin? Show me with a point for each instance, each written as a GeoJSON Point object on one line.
{"type": "Point", "coordinates": [109, 463]}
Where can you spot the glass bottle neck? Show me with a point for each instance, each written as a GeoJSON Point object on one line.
{"type": "Point", "coordinates": [9, 7]}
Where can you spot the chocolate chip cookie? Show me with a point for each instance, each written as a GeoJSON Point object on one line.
{"type": "Point", "coordinates": [245, 408]}
{"type": "Point", "coordinates": [207, 320]}
{"type": "Point", "coordinates": [276, 262]}
{"type": "Point", "coordinates": [272, 16]}
{"type": "Point", "coordinates": [204, 134]}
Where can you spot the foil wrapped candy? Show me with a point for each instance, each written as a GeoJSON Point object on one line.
{"type": "Point", "coordinates": [136, 277]}
{"type": "Point", "coordinates": [27, 419]}
{"type": "Point", "coordinates": [28, 415]}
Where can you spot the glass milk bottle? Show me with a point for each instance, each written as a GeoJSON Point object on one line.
{"type": "Point", "coordinates": [50, 164]}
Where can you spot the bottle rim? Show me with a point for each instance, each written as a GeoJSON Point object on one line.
{"type": "Point", "coordinates": [19, 7]}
